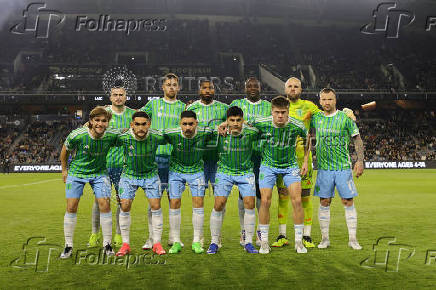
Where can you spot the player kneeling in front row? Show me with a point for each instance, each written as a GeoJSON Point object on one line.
{"type": "Point", "coordinates": [139, 146]}
{"type": "Point", "coordinates": [333, 131]}
{"type": "Point", "coordinates": [235, 168]}
{"type": "Point", "coordinates": [88, 166]}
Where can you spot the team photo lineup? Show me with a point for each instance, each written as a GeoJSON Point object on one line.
{"type": "Point", "coordinates": [252, 144]}
{"type": "Point", "coordinates": [199, 144]}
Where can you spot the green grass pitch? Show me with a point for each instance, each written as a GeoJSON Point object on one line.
{"type": "Point", "coordinates": [399, 204]}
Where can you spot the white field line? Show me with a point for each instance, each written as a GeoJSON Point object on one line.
{"type": "Point", "coordinates": [32, 183]}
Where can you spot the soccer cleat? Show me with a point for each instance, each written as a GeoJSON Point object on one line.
{"type": "Point", "coordinates": [67, 253]}
{"type": "Point", "coordinates": [264, 248]}
{"type": "Point", "coordinates": [125, 249]}
{"type": "Point", "coordinates": [280, 242]}
{"type": "Point", "coordinates": [299, 247]}
{"type": "Point", "coordinates": [242, 238]}
{"type": "Point", "coordinates": [257, 238]}
{"type": "Point", "coordinates": [325, 243]}
{"type": "Point", "coordinates": [108, 250]}
{"type": "Point", "coordinates": [94, 240]}
{"type": "Point", "coordinates": [196, 247]}
{"type": "Point", "coordinates": [148, 244]}
{"type": "Point", "coordinates": [158, 249]}
{"type": "Point", "coordinates": [354, 244]}
{"type": "Point", "coordinates": [249, 248]}
{"type": "Point", "coordinates": [307, 242]}
{"type": "Point", "coordinates": [118, 240]}
{"type": "Point", "coordinates": [213, 249]}
{"type": "Point", "coordinates": [176, 248]}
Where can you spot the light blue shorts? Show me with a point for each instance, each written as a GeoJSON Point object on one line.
{"type": "Point", "coordinates": [268, 176]}
{"type": "Point", "coordinates": [224, 183]}
{"type": "Point", "coordinates": [101, 186]}
{"type": "Point", "coordinates": [129, 186]}
{"type": "Point", "coordinates": [177, 183]}
{"type": "Point", "coordinates": [327, 180]}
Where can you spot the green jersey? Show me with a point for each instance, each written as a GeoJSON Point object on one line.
{"type": "Point", "coordinates": [90, 154]}
{"type": "Point", "coordinates": [253, 111]}
{"type": "Point", "coordinates": [114, 158]}
{"type": "Point", "coordinates": [235, 151]}
{"type": "Point", "coordinates": [332, 139]}
{"type": "Point", "coordinates": [164, 114]}
{"type": "Point", "coordinates": [279, 145]}
{"type": "Point", "coordinates": [187, 153]}
{"type": "Point", "coordinates": [209, 116]}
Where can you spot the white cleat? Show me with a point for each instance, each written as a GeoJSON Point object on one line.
{"type": "Point", "coordinates": [148, 244]}
{"type": "Point", "coordinates": [68, 251]}
{"type": "Point", "coordinates": [108, 250]}
{"type": "Point", "coordinates": [299, 247]}
{"type": "Point", "coordinates": [264, 248]}
{"type": "Point", "coordinates": [242, 238]}
{"type": "Point", "coordinates": [257, 238]}
{"type": "Point", "coordinates": [325, 243]}
{"type": "Point", "coordinates": [354, 245]}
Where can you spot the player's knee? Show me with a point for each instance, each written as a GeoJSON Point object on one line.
{"type": "Point", "coordinates": [305, 192]}
{"type": "Point", "coordinates": [265, 202]}
{"type": "Point", "coordinates": [325, 202]}
{"type": "Point", "coordinates": [175, 203]}
{"type": "Point", "coordinates": [125, 207]}
{"type": "Point", "coordinates": [249, 203]}
{"type": "Point", "coordinates": [283, 192]}
{"type": "Point", "coordinates": [347, 201]}
{"type": "Point", "coordinates": [197, 202]}
{"type": "Point", "coordinates": [72, 208]}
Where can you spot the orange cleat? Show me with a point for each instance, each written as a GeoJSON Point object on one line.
{"type": "Point", "coordinates": [157, 249]}
{"type": "Point", "coordinates": [124, 250]}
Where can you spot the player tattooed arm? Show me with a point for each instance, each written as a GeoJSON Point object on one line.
{"type": "Point", "coordinates": [64, 162]}
{"type": "Point", "coordinates": [358, 146]}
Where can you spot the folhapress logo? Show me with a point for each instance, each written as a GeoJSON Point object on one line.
{"type": "Point", "coordinates": [38, 20]}
{"type": "Point", "coordinates": [388, 20]}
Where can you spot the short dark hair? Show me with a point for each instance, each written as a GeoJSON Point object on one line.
{"type": "Point", "coordinates": [235, 111]}
{"type": "Point", "coordinates": [326, 91]}
{"type": "Point", "coordinates": [254, 79]}
{"type": "Point", "coordinates": [205, 81]}
{"type": "Point", "coordinates": [280, 102]}
{"type": "Point", "coordinates": [188, 114]}
{"type": "Point", "coordinates": [169, 76]}
{"type": "Point", "coordinates": [140, 114]}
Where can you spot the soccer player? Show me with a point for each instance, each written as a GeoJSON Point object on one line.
{"type": "Point", "coordinates": [121, 117]}
{"type": "Point", "coordinates": [210, 113]}
{"type": "Point", "coordinates": [253, 107]}
{"type": "Point", "coordinates": [279, 158]}
{"type": "Point", "coordinates": [235, 168]}
{"type": "Point", "coordinates": [186, 167]}
{"type": "Point", "coordinates": [88, 165]}
{"type": "Point", "coordinates": [164, 113]}
{"type": "Point", "coordinates": [333, 131]}
{"type": "Point", "coordinates": [139, 147]}
{"type": "Point", "coordinates": [300, 110]}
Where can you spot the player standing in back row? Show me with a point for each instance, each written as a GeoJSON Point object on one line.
{"type": "Point", "coordinates": [164, 113]}
{"type": "Point", "coordinates": [121, 117]}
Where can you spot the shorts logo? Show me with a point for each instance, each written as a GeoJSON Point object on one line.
{"type": "Point", "coordinates": [295, 172]}
{"type": "Point", "coordinates": [317, 188]}
{"type": "Point", "coordinates": [261, 176]}
{"type": "Point", "coordinates": [68, 186]}
{"type": "Point", "coordinates": [250, 180]}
